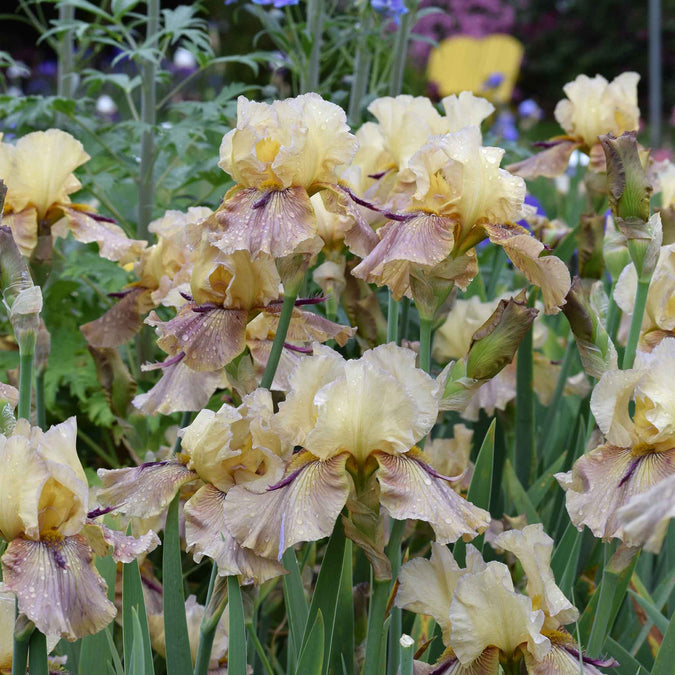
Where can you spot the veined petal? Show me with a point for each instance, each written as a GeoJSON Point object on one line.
{"type": "Point", "coordinates": [425, 239]}
{"type": "Point", "coordinates": [304, 507]}
{"type": "Point", "coordinates": [644, 519]}
{"type": "Point", "coordinates": [427, 586]}
{"type": "Point", "coordinates": [276, 222]}
{"type": "Point", "coordinates": [533, 548]}
{"type": "Point", "coordinates": [121, 322]}
{"type": "Point", "coordinates": [24, 226]}
{"type": "Point", "coordinates": [7, 622]}
{"type": "Point", "coordinates": [113, 243]}
{"type": "Point", "coordinates": [486, 664]}
{"type": "Point", "coordinates": [550, 163]}
{"type": "Point", "coordinates": [560, 661]}
{"type": "Point", "coordinates": [487, 612]}
{"type": "Point", "coordinates": [124, 548]}
{"type": "Point", "coordinates": [605, 479]}
{"type": "Point", "coordinates": [57, 586]}
{"type": "Point", "coordinates": [206, 534]}
{"type": "Point", "coordinates": [548, 272]}
{"type": "Point", "coordinates": [143, 491]}
{"type": "Point", "coordinates": [210, 339]}
{"type": "Point", "coordinates": [179, 389]}
{"type": "Point", "coordinates": [411, 489]}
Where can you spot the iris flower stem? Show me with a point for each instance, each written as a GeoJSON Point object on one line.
{"type": "Point", "coordinates": [207, 630]}
{"type": "Point", "coordinates": [635, 324]}
{"type": "Point", "coordinates": [425, 344]}
{"type": "Point", "coordinates": [362, 61]}
{"type": "Point", "coordinates": [396, 624]}
{"type": "Point", "coordinates": [401, 50]}
{"type": "Point", "coordinates": [613, 314]}
{"type": "Point", "coordinates": [315, 30]}
{"type": "Point", "coordinates": [378, 607]}
{"type": "Point", "coordinates": [392, 319]}
{"type": "Point", "coordinates": [37, 649]}
{"type": "Point", "coordinates": [20, 656]}
{"type": "Point", "coordinates": [25, 382]}
{"type": "Point", "coordinates": [64, 76]}
{"type": "Point", "coordinates": [403, 323]}
{"type": "Point", "coordinates": [407, 650]}
{"type": "Point", "coordinates": [279, 338]}
{"type": "Point", "coordinates": [40, 412]}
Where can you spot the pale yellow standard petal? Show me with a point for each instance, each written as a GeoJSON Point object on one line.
{"type": "Point", "coordinates": [465, 109]}
{"type": "Point", "coordinates": [487, 612]}
{"type": "Point", "coordinates": [427, 586]}
{"type": "Point", "coordinates": [409, 488]}
{"type": "Point", "coordinates": [57, 586]}
{"type": "Point", "coordinates": [533, 548]}
{"type": "Point", "coordinates": [304, 507]}
{"type": "Point", "coordinates": [207, 534]}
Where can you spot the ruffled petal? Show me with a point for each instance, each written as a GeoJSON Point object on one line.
{"type": "Point", "coordinates": [209, 337]}
{"type": "Point", "coordinates": [143, 491]}
{"type": "Point", "coordinates": [125, 548]}
{"type": "Point", "coordinates": [533, 548]}
{"type": "Point", "coordinates": [276, 222]}
{"type": "Point", "coordinates": [303, 507]}
{"type": "Point", "coordinates": [427, 586]}
{"type": "Point", "coordinates": [425, 239]}
{"type": "Point", "coordinates": [548, 272]}
{"type": "Point", "coordinates": [550, 163]}
{"type": "Point", "coordinates": [206, 534]}
{"type": "Point", "coordinates": [487, 612]}
{"type": "Point", "coordinates": [411, 489]}
{"type": "Point", "coordinates": [605, 479]}
{"type": "Point", "coordinates": [644, 519]}
{"type": "Point", "coordinates": [57, 586]}
{"type": "Point", "coordinates": [113, 243]}
{"type": "Point", "coordinates": [179, 389]}
{"type": "Point", "coordinates": [560, 661]}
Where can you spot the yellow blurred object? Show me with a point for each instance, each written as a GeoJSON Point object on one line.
{"type": "Point", "coordinates": [463, 63]}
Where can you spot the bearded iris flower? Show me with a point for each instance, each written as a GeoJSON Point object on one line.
{"type": "Point", "coordinates": [357, 423]}
{"type": "Point", "coordinates": [48, 563]}
{"type": "Point", "coordinates": [639, 451]}
{"type": "Point", "coordinates": [484, 620]}
{"type": "Point", "coordinates": [38, 171]}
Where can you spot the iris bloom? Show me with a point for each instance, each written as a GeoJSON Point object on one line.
{"type": "Point", "coordinates": [659, 317]}
{"type": "Point", "coordinates": [38, 172]}
{"type": "Point", "coordinates": [221, 449]}
{"type": "Point", "coordinates": [279, 154]}
{"type": "Point", "coordinates": [593, 107]}
{"type": "Point", "coordinates": [457, 197]}
{"type": "Point", "coordinates": [163, 271]}
{"type": "Point", "coordinates": [483, 618]}
{"type": "Point", "coordinates": [639, 451]}
{"type": "Point", "coordinates": [48, 563]}
{"type": "Point", "coordinates": [357, 422]}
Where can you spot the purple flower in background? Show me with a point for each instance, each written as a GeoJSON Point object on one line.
{"type": "Point", "coordinates": [532, 201]}
{"type": "Point", "coordinates": [505, 126]}
{"type": "Point", "coordinates": [275, 3]}
{"type": "Point", "coordinates": [493, 80]}
{"type": "Point", "coordinates": [529, 110]}
{"type": "Point", "coordinates": [391, 9]}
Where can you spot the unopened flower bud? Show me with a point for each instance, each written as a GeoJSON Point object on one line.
{"type": "Point", "coordinates": [495, 343]}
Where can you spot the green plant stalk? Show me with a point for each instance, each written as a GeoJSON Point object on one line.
{"type": "Point", "coordinates": [403, 323]}
{"type": "Point", "coordinates": [396, 623]}
{"type": "Point", "coordinates": [635, 324]}
{"type": "Point", "coordinates": [260, 650]}
{"type": "Point", "coordinates": [236, 664]}
{"type": "Point", "coordinates": [392, 319]}
{"type": "Point", "coordinates": [401, 50]}
{"type": "Point", "coordinates": [64, 76]}
{"type": "Point", "coordinates": [525, 455]}
{"type": "Point", "coordinates": [279, 338]}
{"type": "Point", "coordinates": [37, 651]}
{"type": "Point", "coordinates": [613, 314]}
{"type": "Point", "coordinates": [20, 655]}
{"type": "Point", "coordinates": [185, 420]}
{"type": "Point", "coordinates": [146, 194]}
{"type": "Point", "coordinates": [378, 606]}
{"type": "Point", "coordinates": [315, 31]}
{"type": "Point", "coordinates": [425, 344]}
{"type": "Point", "coordinates": [407, 652]}
{"type": "Point", "coordinates": [207, 630]}
{"type": "Point", "coordinates": [40, 411]}
{"type": "Point", "coordinates": [362, 61]}
{"type": "Point", "coordinates": [25, 381]}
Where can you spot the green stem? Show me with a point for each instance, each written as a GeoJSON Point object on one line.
{"type": "Point", "coordinates": [207, 630]}
{"type": "Point", "coordinates": [260, 650]}
{"type": "Point", "coordinates": [146, 194]}
{"type": "Point", "coordinates": [392, 319]}
{"type": "Point", "coordinates": [403, 323]}
{"type": "Point", "coordinates": [378, 607]}
{"type": "Point", "coordinates": [25, 383]}
{"type": "Point", "coordinates": [315, 31]}
{"type": "Point", "coordinates": [425, 344]}
{"type": "Point", "coordinates": [236, 664]}
{"type": "Point", "coordinates": [635, 324]}
{"type": "Point", "coordinates": [185, 420]}
{"type": "Point", "coordinates": [40, 412]}
{"type": "Point", "coordinates": [64, 76]}
{"type": "Point", "coordinates": [20, 655]}
{"type": "Point", "coordinates": [37, 650]}
{"type": "Point", "coordinates": [362, 61]}
{"type": "Point", "coordinates": [396, 624]}
{"type": "Point", "coordinates": [407, 652]}
{"type": "Point", "coordinates": [524, 458]}
{"type": "Point", "coordinates": [613, 315]}
{"type": "Point", "coordinates": [279, 338]}
{"type": "Point", "coordinates": [401, 51]}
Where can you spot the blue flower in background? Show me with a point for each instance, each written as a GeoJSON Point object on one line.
{"type": "Point", "coordinates": [505, 126]}
{"type": "Point", "coordinates": [391, 9]}
{"type": "Point", "coordinates": [275, 3]}
{"type": "Point", "coordinates": [528, 109]}
{"type": "Point", "coordinates": [532, 201]}
{"type": "Point", "coordinates": [493, 80]}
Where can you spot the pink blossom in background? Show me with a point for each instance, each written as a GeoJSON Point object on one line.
{"type": "Point", "coordinates": [477, 18]}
